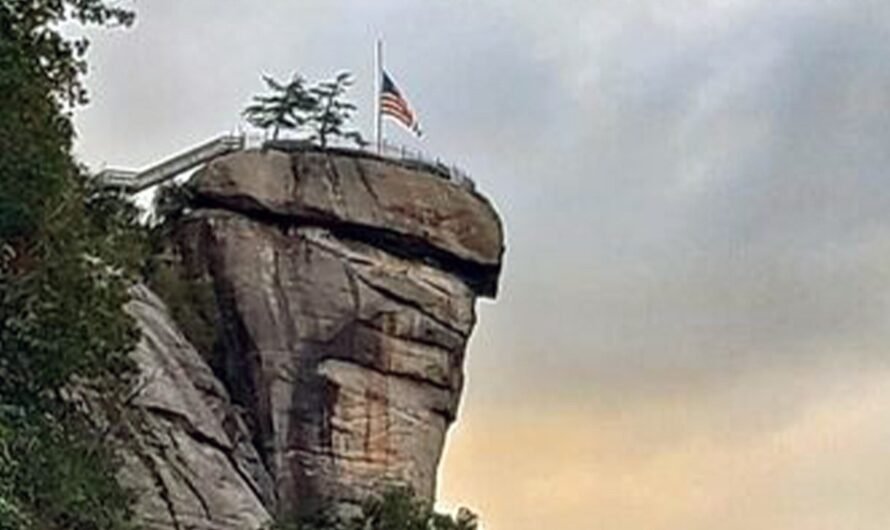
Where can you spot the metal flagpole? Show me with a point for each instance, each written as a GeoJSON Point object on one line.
{"type": "Point", "coordinates": [378, 77]}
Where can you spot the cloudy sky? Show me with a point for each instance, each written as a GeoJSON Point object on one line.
{"type": "Point", "coordinates": [695, 311]}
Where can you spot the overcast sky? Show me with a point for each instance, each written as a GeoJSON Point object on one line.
{"type": "Point", "coordinates": [693, 325]}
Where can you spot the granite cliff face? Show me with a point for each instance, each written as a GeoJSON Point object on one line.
{"type": "Point", "coordinates": [188, 453]}
{"type": "Point", "coordinates": [342, 290]}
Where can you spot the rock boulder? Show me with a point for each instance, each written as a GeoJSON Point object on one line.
{"type": "Point", "coordinates": [343, 288]}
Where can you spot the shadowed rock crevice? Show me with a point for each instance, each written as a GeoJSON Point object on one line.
{"type": "Point", "coordinates": [482, 278]}
{"type": "Point", "coordinates": [408, 212]}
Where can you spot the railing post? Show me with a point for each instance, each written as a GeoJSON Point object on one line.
{"type": "Point", "coordinates": [400, 152]}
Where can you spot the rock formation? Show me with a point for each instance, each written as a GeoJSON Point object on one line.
{"type": "Point", "coordinates": [189, 455]}
{"type": "Point", "coordinates": [342, 291]}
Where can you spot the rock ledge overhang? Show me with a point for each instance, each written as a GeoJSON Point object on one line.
{"type": "Point", "coordinates": [406, 211]}
{"type": "Point", "coordinates": [332, 295]}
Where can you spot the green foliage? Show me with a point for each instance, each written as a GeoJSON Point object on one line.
{"type": "Point", "coordinates": [286, 107]}
{"type": "Point", "coordinates": [396, 509]}
{"type": "Point", "coordinates": [191, 301]}
{"type": "Point", "coordinates": [172, 200]}
{"type": "Point", "coordinates": [318, 112]}
{"type": "Point", "coordinates": [11, 517]}
{"type": "Point", "coordinates": [32, 26]}
{"type": "Point", "coordinates": [190, 298]}
{"type": "Point", "coordinates": [66, 252]}
{"type": "Point", "coordinates": [332, 113]}
{"type": "Point", "coordinates": [68, 474]}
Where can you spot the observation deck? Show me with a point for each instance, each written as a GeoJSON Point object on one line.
{"type": "Point", "coordinates": [134, 181]}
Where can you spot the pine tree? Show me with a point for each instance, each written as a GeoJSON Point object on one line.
{"type": "Point", "coordinates": [286, 107]}
{"type": "Point", "coordinates": [317, 113]}
{"type": "Point", "coordinates": [332, 113]}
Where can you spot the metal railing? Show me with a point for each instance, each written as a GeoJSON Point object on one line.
{"type": "Point", "coordinates": [409, 156]}
{"type": "Point", "coordinates": [131, 181]}
{"type": "Point", "coordinates": [389, 151]}
{"type": "Point", "coordinates": [136, 181]}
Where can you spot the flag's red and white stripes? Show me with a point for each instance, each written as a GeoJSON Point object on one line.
{"type": "Point", "coordinates": [397, 108]}
{"type": "Point", "coordinates": [393, 104]}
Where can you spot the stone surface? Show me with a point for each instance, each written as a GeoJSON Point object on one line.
{"type": "Point", "coordinates": [409, 210]}
{"type": "Point", "coordinates": [189, 456]}
{"type": "Point", "coordinates": [344, 290]}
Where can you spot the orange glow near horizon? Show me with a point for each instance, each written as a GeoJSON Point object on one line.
{"type": "Point", "coordinates": [676, 464]}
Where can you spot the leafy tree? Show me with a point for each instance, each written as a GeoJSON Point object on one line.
{"type": "Point", "coordinates": [317, 113]}
{"type": "Point", "coordinates": [189, 297]}
{"type": "Point", "coordinates": [399, 509]}
{"type": "Point", "coordinates": [171, 202]}
{"type": "Point", "coordinates": [66, 251]}
{"type": "Point", "coordinates": [395, 509]}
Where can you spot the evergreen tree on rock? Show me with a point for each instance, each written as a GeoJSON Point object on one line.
{"type": "Point", "coordinates": [318, 113]}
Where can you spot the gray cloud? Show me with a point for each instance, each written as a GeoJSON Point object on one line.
{"type": "Point", "coordinates": [725, 203]}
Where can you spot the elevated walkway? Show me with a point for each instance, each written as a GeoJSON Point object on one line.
{"type": "Point", "coordinates": [131, 182]}
{"type": "Point", "coordinates": [135, 181]}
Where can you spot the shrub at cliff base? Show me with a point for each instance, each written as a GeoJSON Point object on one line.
{"type": "Point", "coordinates": [394, 509]}
{"type": "Point", "coordinates": [65, 254]}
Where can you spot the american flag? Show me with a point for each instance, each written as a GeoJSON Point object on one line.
{"type": "Point", "coordinates": [393, 104]}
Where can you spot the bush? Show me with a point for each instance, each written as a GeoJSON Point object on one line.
{"type": "Point", "coordinates": [395, 509]}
